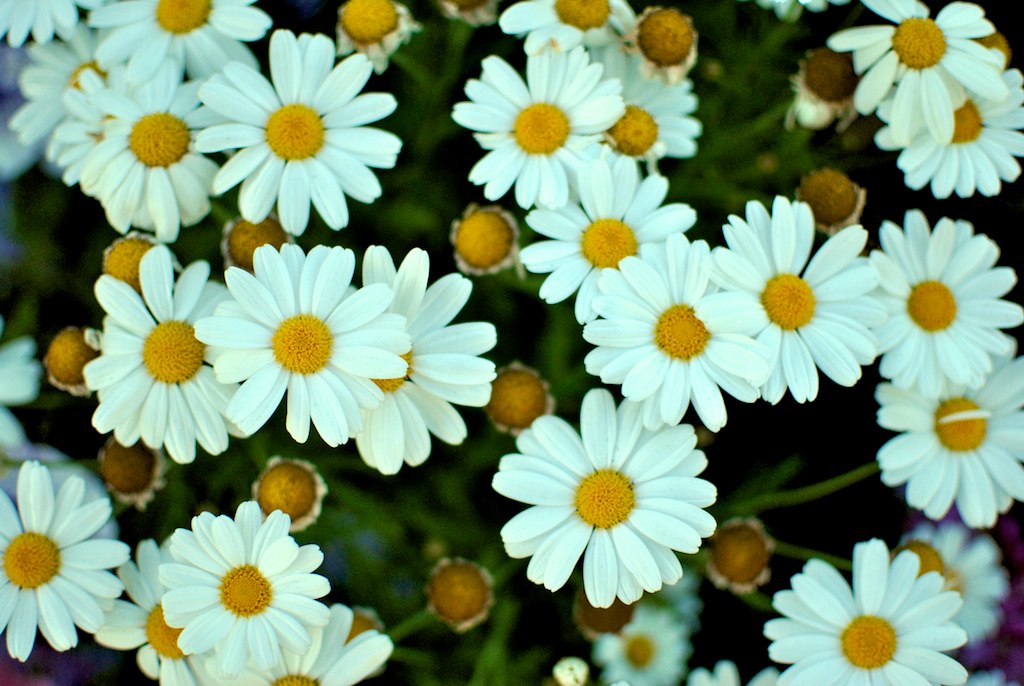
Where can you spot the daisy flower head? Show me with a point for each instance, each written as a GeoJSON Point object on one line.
{"type": "Point", "coordinates": [442, 367]}
{"type": "Point", "coordinates": [243, 588]}
{"type": "Point", "coordinates": [43, 18]}
{"type": "Point", "coordinates": [473, 12]}
{"type": "Point", "coordinates": [666, 40]}
{"type": "Point", "coordinates": [199, 36]}
{"type": "Point", "coordinates": [979, 157]}
{"type": "Point", "coordinates": [535, 130]}
{"type": "Point", "coordinates": [836, 201]}
{"type": "Point", "coordinates": [824, 87]}
{"type": "Point", "coordinates": [960, 446]}
{"type": "Point", "coordinates": [892, 627]}
{"type": "Point", "coordinates": [810, 315]}
{"type": "Point", "coordinates": [992, 678]}
{"type": "Point", "coordinates": [21, 373]}
{"type": "Point", "coordinates": [153, 376]}
{"type": "Point", "coordinates": [293, 486]}
{"type": "Point", "coordinates": [132, 474]}
{"type": "Point", "coordinates": [375, 28]}
{"type": "Point", "coordinates": [790, 10]}
{"type": "Point", "coordinates": [726, 674]}
{"type": "Point", "coordinates": [485, 239]}
{"type": "Point", "coordinates": [519, 394]}
{"type": "Point", "coordinates": [651, 650]}
{"type": "Point", "coordinates": [296, 325]}
{"type": "Point", "coordinates": [739, 555]}
{"type": "Point", "coordinates": [302, 137]}
{"type": "Point", "coordinates": [562, 25]}
{"type": "Point", "coordinates": [616, 214]}
{"type": "Point", "coordinates": [54, 573]}
{"type": "Point", "coordinates": [66, 356]}
{"type": "Point", "coordinates": [926, 63]}
{"type": "Point", "coordinates": [241, 238]}
{"type": "Point", "coordinates": [944, 297]}
{"type": "Point", "coordinates": [616, 494]}
{"type": "Point", "coordinates": [669, 338]}
{"type": "Point", "coordinates": [460, 593]}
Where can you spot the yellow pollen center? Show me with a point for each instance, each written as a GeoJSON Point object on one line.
{"type": "Point", "coordinates": [484, 239]}
{"type": "Point", "coordinates": [122, 259]}
{"type": "Point", "coordinates": [74, 81]}
{"type": "Point", "coordinates": [1000, 43]}
{"type": "Point", "coordinates": [967, 123]}
{"type": "Point", "coordinates": [163, 638]}
{"type": "Point", "coordinates": [368, 21]}
{"type": "Point", "coordinates": [607, 241]}
{"type": "Point", "coordinates": [680, 334]}
{"type": "Point", "coordinates": [739, 553]}
{"type": "Point", "coordinates": [302, 344]}
{"type": "Point", "coordinates": [127, 470]}
{"type": "Point", "coordinates": [159, 140]}
{"type": "Point", "coordinates": [296, 680]}
{"type": "Point", "coordinates": [788, 301]}
{"type": "Point", "coordinates": [635, 132]}
{"type": "Point", "coordinates": [640, 650]}
{"type": "Point", "coordinates": [245, 592]}
{"type": "Point", "coordinates": [666, 36]}
{"type": "Point", "coordinates": [931, 305]}
{"type": "Point", "coordinates": [959, 435]}
{"type": "Point", "coordinates": [829, 75]}
{"type": "Point", "coordinates": [67, 355]}
{"type": "Point", "coordinates": [518, 397]}
{"type": "Point", "coordinates": [171, 352]}
{"type": "Point", "coordinates": [31, 560]}
{"type": "Point", "coordinates": [459, 592]}
{"type": "Point", "coordinates": [605, 498]}
{"type": "Point", "coordinates": [182, 16]}
{"type": "Point", "coordinates": [928, 557]}
{"type": "Point", "coordinates": [295, 132]}
{"type": "Point", "coordinates": [831, 195]}
{"type": "Point", "coordinates": [361, 623]}
{"type": "Point", "coordinates": [392, 385]}
{"type": "Point", "coordinates": [541, 129]}
{"type": "Point", "coordinates": [245, 237]}
{"type": "Point", "coordinates": [919, 43]}
{"type": "Point", "coordinates": [583, 14]}
{"type": "Point", "coordinates": [868, 642]}
{"type": "Point", "coordinates": [288, 487]}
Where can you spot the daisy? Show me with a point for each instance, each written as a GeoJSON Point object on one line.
{"type": "Point", "coordinates": [139, 622]}
{"type": "Point", "coordinates": [153, 378]}
{"type": "Point", "coordinates": [810, 315]}
{"type": "Point", "coordinates": [666, 40]}
{"type": "Point", "coordinates": [519, 394]}
{"type": "Point", "coordinates": [443, 366]}
{"type": "Point", "coordinates": [562, 25]}
{"type": "Point", "coordinates": [132, 474]}
{"type": "Point", "coordinates": [54, 573]}
{"type": "Point", "coordinates": [43, 18]}
{"type": "Point", "coordinates": [293, 486]}
{"type": "Point", "coordinates": [622, 497]}
{"type": "Point", "coordinates": [986, 139]}
{"type": "Point", "coordinates": [824, 88]}
{"type": "Point", "coordinates": [616, 214]}
{"type": "Point", "coordinates": [460, 593]}
{"type": "Point", "coordinates": [944, 295]}
{"type": "Point", "coordinates": [82, 127]}
{"type": "Point", "coordinates": [301, 139]}
{"type": "Point", "coordinates": [836, 201]}
{"type": "Point", "coordinates": [297, 326]}
{"type": "Point", "coordinates": [243, 588]}
{"type": "Point", "coordinates": [535, 131]}
{"type": "Point", "coordinates": [375, 28]}
{"type": "Point", "coordinates": [145, 171]}
{"type": "Point", "coordinates": [790, 10]}
{"type": "Point", "coordinates": [993, 678]}
{"type": "Point", "coordinates": [200, 36]}
{"type": "Point", "coordinates": [891, 628]}
{"type": "Point", "coordinates": [21, 373]}
{"type": "Point", "coordinates": [651, 650]}
{"type": "Point", "coordinates": [485, 240]}
{"type": "Point", "coordinates": [473, 12]}
{"type": "Point", "coordinates": [668, 337]}
{"type": "Point", "coordinates": [927, 63]}
{"type": "Point", "coordinates": [66, 356]}
{"type": "Point", "coordinates": [959, 446]}
{"type": "Point", "coordinates": [726, 674]}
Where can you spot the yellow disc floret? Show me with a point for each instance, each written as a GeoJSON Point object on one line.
{"type": "Point", "coordinates": [518, 396]}
{"type": "Point", "coordinates": [295, 132]}
{"type": "Point", "coordinates": [368, 21]}
{"type": "Point", "coordinates": [919, 43]}
{"type": "Point", "coordinates": [830, 75]}
{"type": "Point", "coordinates": [607, 241]}
{"type": "Point", "coordinates": [67, 355]}
{"type": "Point", "coordinates": [182, 16]}
{"type": "Point", "coordinates": [868, 642]}
{"type": "Point", "coordinates": [959, 435]}
{"type": "Point", "coordinates": [666, 36]}
{"type": "Point", "coordinates": [541, 129]}
{"type": "Point", "coordinates": [159, 139]}
{"type": "Point", "coordinates": [459, 591]}
{"type": "Point", "coordinates": [244, 591]}
{"type": "Point", "coordinates": [967, 123]}
{"type": "Point", "coordinates": [605, 498]}
{"type": "Point", "coordinates": [122, 258]}
{"type": "Point", "coordinates": [680, 334]}
{"type": "Point", "coordinates": [931, 305]}
{"type": "Point", "coordinates": [163, 638]}
{"type": "Point", "coordinates": [127, 470]}
{"type": "Point", "coordinates": [171, 352]}
{"type": "Point", "coordinates": [583, 14]}
{"type": "Point", "coordinates": [287, 486]}
{"type": "Point", "coordinates": [392, 385]}
{"type": "Point", "coordinates": [245, 237]}
{"type": "Point", "coordinates": [788, 301]}
{"type": "Point", "coordinates": [740, 553]}
{"type": "Point", "coordinates": [831, 195]}
{"type": "Point", "coordinates": [295, 680]}
{"type": "Point", "coordinates": [640, 650]}
{"type": "Point", "coordinates": [928, 557]}
{"type": "Point", "coordinates": [31, 560]}
{"type": "Point", "coordinates": [484, 239]}
{"type": "Point", "coordinates": [302, 344]}
{"type": "Point", "coordinates": [635, 132]}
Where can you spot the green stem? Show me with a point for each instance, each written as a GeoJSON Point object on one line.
{"type": "Point", "coordinates": [798, 552]}
{"type": "Point", "coordinates": [757, 600]}
{"type": "Point", "coordinates": [411, 624]}
{"type": "Point", "coordinates": [798, 496]}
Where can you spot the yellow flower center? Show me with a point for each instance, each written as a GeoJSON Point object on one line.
{"type": "Point", "coordinates": [605, 498]}
{"type": "Point", "coordinates": [245, 592]}
{"type": "Point", "coordinates": [302, 344]}
{"type": "Point", "coordinates": [295, 132]}
{"type": "Point", "coordinates": [1000, 43]}
{"type": "Point", "coordinates": [67, 355]}
{"type": "Point", "coordinates": [967, 123]}
{"type": "Point", "coordinates": [541, 129]}
{"type": "Point", "coordinates": [361, 623]}
{"type": "Point", "coordinates": [919, 43]}
{"type": "Point", "coordinates": [518, 397]}
{"type": "Point", "coordinates": [289, 487]}
{"type": "Point", "coordinates": [831, 195]}
{"type": "Point", "coordinates": [122, 259]}
{"type": "Point", "coordinates": [245, 237]}
{"type": "Point", "coordinates": [666, 36]}
{"type": "Point", "coordinates": [459, 591]}
{"type": "Point", "coordinates": [959, 435]}
{"type": "Point", "coordinates": [127, 470]}
{"type": "Point", "coordinates": [392, 385]}
{"type": "Point", "coordinates": [296, 680]}
{"type": "Point", "coordinates": [171, 352]}
{"type": "Point", "coordinates": [635, 132]}
{"type": "Point", "coordinates": [368, 21]}
{"type": "Point", "coordinates": [931, 305]}
{"type": "Point", "coordinates": [31, 560]}
{"type": "Point", "coordinates": [868, 642]}
{"type": "Point", "coordinates": [583, 14]}
{"type": "Point", "coordinates": [680, 334]}
{"type": "Point", "coordinates": [928, 557]}
{"type": "Point", "coordinates": [607, 241]}
{"type": "Point", "coordinates": [739, 553]}
{"type": "Point", "coordinates": [182, 16]}
{"type": "Point", "coordinates": [159, 140]}
{"type": "Point", "coordinates": [163, 638]}
{"type": "Point", "coordinates": [829, 75]}
{"type": "Point", "coordinates": [640, 650]}
{"type": "Point", "coordinates": [484, 239]}
{"type": "Point", "coordinates": [74, 81]}
{"type": "Point", "coordinates": [788, 301]}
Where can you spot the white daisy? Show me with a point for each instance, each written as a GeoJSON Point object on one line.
{"type": "Point", "coordinates": [443, 365]}
{"type": "Point", "coordinates": [21, 373]}
{"type": "Point", "coordinates": [622, 497]}
{"type": "Point", "coordinates": [790, 10]}
{"type": "Point", "coordinates": [891, 629]}
{"type": "Point", "coordinates": [986, 139]}
{"type": "Point", "coordinates": [666, 40]}
{"type": "Point", "coordinates": [473, 12]}
{"type": "Point", "coordinates": [562, 25]}
{"type": "Point", "coordinates": [145, 171]}
{"type": "Point", "coordinates": [54, 574]}
{"type": "Point", "coordinates": [651, 650]}
{"type": "Point", "coordinates": [296, 325]}
{"type": "Point", "coordinates": [243, 588]}
{"type": "Point", "coordinates": [43, 18]}
{"type": "Point", "coordinates": [929, 62]}
{"type": "Point", "coordinates": [824, 88]}
{"type": "Point", "coordinates": [139, 623]}
{"type": "Point", "coordinates": [959, 446]}
{"type": "Point", "coordinates": [199, 36]}
{"type": "Point", "coordinates": [301, 139]}
{"type": "Point", "coordinates": [376, 28]}
{"type": "Point", "coordinates": [944, 295]}
{"type": "Point", "coordinates": [971, 566]}
{"type": "Point", "coordinates": [616, 214]}
{"type": "Point", "coordinates": [812, 315]}
{"type": "Point", "coordinates": [993, 678]}
{"type": "Point", "coordinates": [669, 338]}
{"type": "Point", "coordinates": [535, 131]}
{"type": "Point", "coordinates": [726, 674]}
{"type": "Point", "coordinates": [153, 378]}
